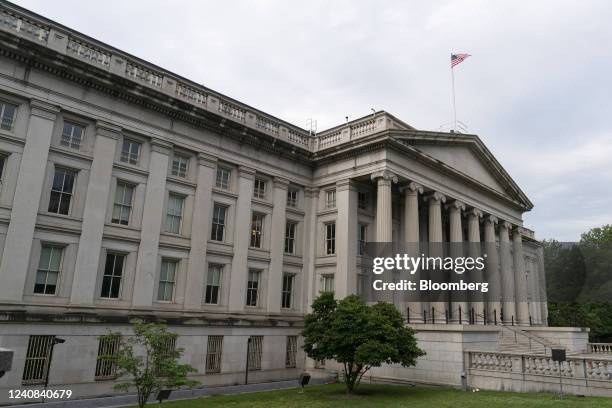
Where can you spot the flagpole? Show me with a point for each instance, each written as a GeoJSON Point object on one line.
{"type": "Point", "coordinates": [454, 106]}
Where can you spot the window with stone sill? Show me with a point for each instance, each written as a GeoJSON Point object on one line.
{"type": "Point", "coordinates": [113, 274]}
{"type": "Point", "coordinates": [290, 232]}
{"type": "Point", "coordinates": [48, 272]}
{"type": "Point", "coordinates": [330, 199]}
{"type": "Point", "coordinates": [362, 200]}
{"type": "Point", "coordinates": [259, 189]}
{"type": "Point", "coordinates": [72, 135]}
{"type": "Point", "coordinates": [213, 284]}
{"type": "Point", "coordinates": [292, 198]}
{"type": "Point", "coordinates": [253, 282]}
{"type": "Point", "coordinates": [174, 213]}
{"type": "Point", "coordinates": [130, 151]}
{"type": "Point", "coordinates": [3, 159]}
{"type": "Point", "coordinates": [61, 191]}
{"type": "Point", "coordinates": [256, 230]}
{"type": "Point", "coordinates": [330, 238]}
{"type": "Point", "coordinates": [167, 280]}
{"type": "Point", "coordinates": [122, 207]}
{"type": "Point", "coordinates": [7, 115]}
{"type": "Point", "coordinates": [223, 178]}
{"type": "Point", "coordinates": [287, 291]}
{"type": "Point", "coordinates": [218, 222]}
{"type": "Point", "coordinates": [180, 166]}
{"type": "Point", "coordinates": [362, 238]}
{"type": "Point", "coordinates": [327, 283]}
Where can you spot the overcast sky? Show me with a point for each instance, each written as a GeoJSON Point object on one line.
{"type": "Point", "coordinates": [537, 89]}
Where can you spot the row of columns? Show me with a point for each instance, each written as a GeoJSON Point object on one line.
{"type": "Point", "coordinates": [513, 288]}
{"type": "Point", "coordinates": [30, 183]}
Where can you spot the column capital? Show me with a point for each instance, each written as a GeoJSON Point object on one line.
{"type": "Point", "coordinates": [311, 192]}
{"type": "Point", "coordinates": [491, 219]}
{"type": "Point", "coordinates": [161, 146]}
{"type": "Point", "coordinates": [459, 205]}
{"type": "Point", "coordinates": [246, 172]}
{"type": "Point", "coordinates": [345, 184]}
{"type": "Point", "coordinates": [280, 182]}
{"type": "Point", "coordinates": [384, 175]}
{"type": "Point", "coordinates": [412, 188]}
{"type": "Point", "coordinates": [474, 212]}
{"type": "Point", "coordinates": [505, 225]}
{"type": "Point", "coordinates": [517, 230]}
{"type": "Point", "coordinates": [43, 109]}
{"type": "Point", "coordinates": [205, 159]}
{"type": "Point", "coordinates": [108, 130]}
{"type": "Point", "coordinates": [435, 196]}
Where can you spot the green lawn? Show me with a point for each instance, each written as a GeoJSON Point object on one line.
{"type": "Point", "coordinates": [372, 396]}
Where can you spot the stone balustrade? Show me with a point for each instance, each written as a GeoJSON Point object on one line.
{"type": "Point", "coordinates": [587, 375]}
{"type": "Point", "coordinates": [600, 348]}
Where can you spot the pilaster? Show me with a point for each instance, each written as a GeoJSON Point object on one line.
{"type": "Point", "coordinates": [346, 239]}
{"type": "Point", "coordinates": [277, 250]}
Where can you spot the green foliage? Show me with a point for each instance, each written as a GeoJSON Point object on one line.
{"type": "Point", "coordinates": [579, 283]}
{"type": "Point", "coordinates": [147, 361]}
{"type": "Point", "coordinates": [358, 336]}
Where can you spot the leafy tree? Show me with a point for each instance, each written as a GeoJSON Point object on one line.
{"type": "Point", "coordinates": [147, 361]}
{"type": "Point", "coordinates": [358, 336]}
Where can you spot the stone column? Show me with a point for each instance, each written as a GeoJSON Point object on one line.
{"type": "Point", "coordinates": [152, 216]}
{"type": "Point", "coordinates": [94, 214]}
{"type": "Point", "coordinates": [458, 299]}
{"type": "Point", "coordinates": [238, 277]}
{"type": "Point", "coordinates": [436, 249]}
{"type": "Point", "coordinates": [520, 279]}
{"type": "Point", "coordinates": [384, 222]}
{"type": "Point", "coordinates": [412, 244]}
{"type": "Point", "coordinates": [384, 225]}
{"type": "Point", "coordinates": [476, 300]}
{"type": "Point", "coordinates": [345, 280]}
{"type": "Point", "coordinates": [277, 244]}
{"type": "Point", "coordinates": [492, 275]}
{"type": "Point", "coordinates": [507, 276]}
{"type": "Point", "coordinates": [311, 197]}
{"type": "Point", "coordinates": [30, 181]}
{"type": "Point", "coordinates": [201, 220]}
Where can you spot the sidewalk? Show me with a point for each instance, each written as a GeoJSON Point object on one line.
{"type": "Point", "coordinates": [130, 399]}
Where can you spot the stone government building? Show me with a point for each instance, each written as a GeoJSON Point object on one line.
{"type": "Point", "coordinates": [128, 191]}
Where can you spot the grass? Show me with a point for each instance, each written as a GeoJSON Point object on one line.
{"type": "Point", "coordinates": [372, 396]}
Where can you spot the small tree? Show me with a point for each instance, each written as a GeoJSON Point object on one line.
{"type": "Point", "coordinates": [147, 361]}
{"type": "Point", "coordinates": [358, 336]}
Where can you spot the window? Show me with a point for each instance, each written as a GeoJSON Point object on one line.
{"type": "Point", "coordinates": [48, 271]}
{"type": "Point", "coordinates": [253, 287]}
{"type": "Point", "coordinates": [287, 291]}
{"type": "Point", "coordinates": [361, 283]}
{"type": "Point", "coordinates": [72, 135]}
{"type": "Point", "coordinates": [290, 228]}
{"type": "Point", "coordinates": [213, 284]}
{"type": "Point", "coordinates": [330, 199]}
{"type": "Point", "coordinates": [37, 360]}
{"type": "Point", "coordinates": [174, 214]}
{"type": "Point", "coordinates": [180, 165]}
{"type": "Point", "coordinates": [113, 271]}
{"type": "Point", "coordinates": [254, 355]}
{"type": "Point", "coordinates": [259, 189]}
{"type": "Point", "coordinates": [256, 230]}
{"type": "Point", "coordinates": [292, 198]}
{"type": "Point", "coordinates": [122, 207]}
{"type": "Point", "coordinates": [362, 230]}
{"type": "Point", "coordinates": [214, 351]}
{"type": "Point", "coordinates": [223, 178]}
{"type": "Point", "coordinates": [61, 191]}
{"type": "Point", "coordinates": [168, 349]}
{"type": "Point", "coordinates": [167, 280]}
{"type": "Point", "coordinates": [106, 369]}
{"type": "Point", "coordinates": [291, 353]}
{"type": "Point", "coordinates": [7, 115]}
{"type": "Point", "coordinates": [327, 283]}
{"type": "Point", "coordinates": [130, 151]}
{"type": "Point", "coordinates": [362, 200]}
{"type": "Point", "coordinates": [330, 238]}
{"type": "Point", "coordinates": [218, 222]}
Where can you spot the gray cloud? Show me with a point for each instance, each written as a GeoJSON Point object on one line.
{"type": "Point", "coordinates": [537, 89]}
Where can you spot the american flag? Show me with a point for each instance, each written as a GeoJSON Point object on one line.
{"type": "Point", "coordinates": [458, 59]}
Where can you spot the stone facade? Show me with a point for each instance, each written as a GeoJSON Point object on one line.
{"type": "Point", "coordinates": [128, 191]}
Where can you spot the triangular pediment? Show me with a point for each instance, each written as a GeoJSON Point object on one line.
{"type": "Point", "coordinates": [468, 156]}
